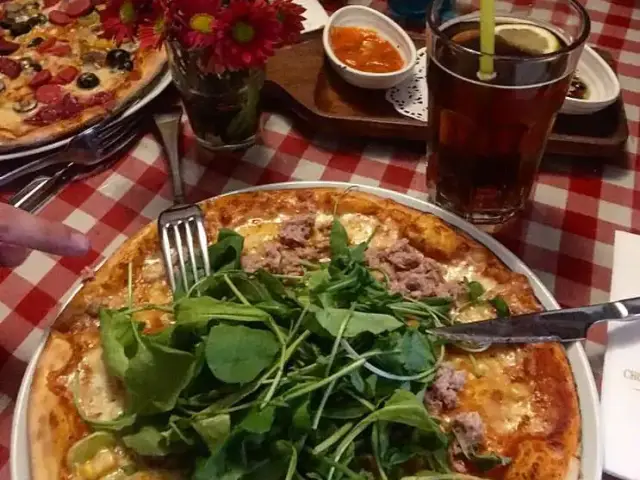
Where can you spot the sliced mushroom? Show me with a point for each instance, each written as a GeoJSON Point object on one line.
{"type": "Point", "coordinates": [28, 64]}
{"type": "Point", "coordinates": [11, 9]}
{"type": "Point", "coordinates": [25, 105]}
{"type": "Point", "coordinates": [94, 58]}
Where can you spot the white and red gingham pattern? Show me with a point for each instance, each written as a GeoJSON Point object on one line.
{"type": "Point", "coordinates": [566, 235]}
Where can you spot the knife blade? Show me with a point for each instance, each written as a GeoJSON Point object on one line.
{"type": "Point", "coordinates": [567, 325]}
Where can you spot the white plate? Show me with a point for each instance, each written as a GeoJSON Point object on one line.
{"type": "Point", "coordinates": [592, 452]}
{"type": "Point", "coordinates": [161, 84]}
{"type": "Point", "coordinates": [315, 16]}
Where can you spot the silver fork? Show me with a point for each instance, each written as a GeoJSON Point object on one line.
{"type": "Point", "coordinates": [180, 225]}
{"type": "Point", "coordinates": [87, 148]}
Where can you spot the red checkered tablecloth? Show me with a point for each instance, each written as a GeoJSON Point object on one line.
{"type": "Point", "coordinates": [566, 235]}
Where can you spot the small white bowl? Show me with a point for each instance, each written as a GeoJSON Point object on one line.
{"type": "Point", "coordinates": [601, 81]}
{"type": "Point", "coordinates": [365, 17]}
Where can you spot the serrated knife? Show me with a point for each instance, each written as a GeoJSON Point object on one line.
{"type": "Point", "coordinates": [567, 325]}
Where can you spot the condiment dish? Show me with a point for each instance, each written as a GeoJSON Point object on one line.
{"type": "Point", "coordinates": [603, 87]}
{"type": "Point", "coordinates": [364, 17]}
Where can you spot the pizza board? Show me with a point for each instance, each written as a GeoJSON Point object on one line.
{"type": "Point", "coordinates": [591, 462]}
{"type": "Point", "coordinates": [301, 81]}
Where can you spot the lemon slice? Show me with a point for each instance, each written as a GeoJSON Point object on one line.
{"type": "Point", "coordinates": [529, 38]}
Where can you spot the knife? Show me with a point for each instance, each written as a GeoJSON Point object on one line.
{"type": "Point", "coordinates": [567, 325]}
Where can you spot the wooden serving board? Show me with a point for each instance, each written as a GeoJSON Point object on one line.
{"type": "Point", "coordinates": [301, 81]}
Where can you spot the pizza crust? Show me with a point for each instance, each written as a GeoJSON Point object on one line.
{"type": "Point", "coordinates": [542, 453]}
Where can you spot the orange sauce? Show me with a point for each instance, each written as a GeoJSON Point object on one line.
{"type": "Point", "coordinates": [365, 50]}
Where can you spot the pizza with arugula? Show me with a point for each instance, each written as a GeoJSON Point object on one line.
{"type": "Point", "coordinates": [306, 354]}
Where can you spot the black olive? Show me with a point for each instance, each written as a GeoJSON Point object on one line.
{"type": "Point", "coordinates": [88, 80]}
{"type": "Point", "coordinates": [117, 57]}
{"type": "Point", "coordinates": [128, 65]}
{"type": "Point", "coordinates": [20, 28]}
{"type": "Point", "coordinates": [35, 42]}
{"type": "Point", "coordinates": [6, 24]}
{"type": "Point", "coordinates": [37, 20]}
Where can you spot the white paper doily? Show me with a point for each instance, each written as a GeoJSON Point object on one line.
{"type": "Point", "coordinates": [410, 97]}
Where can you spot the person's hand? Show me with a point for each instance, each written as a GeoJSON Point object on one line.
{"type": "Point", "coordinates": [21, 232]}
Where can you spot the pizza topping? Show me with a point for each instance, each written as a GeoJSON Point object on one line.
{"type": "Point", "coordinates": [2, 86]}
{"type": "Point", "coordinates": [50, 3]}
{"type": "Point", "coordinates": [39, 19]}
{"type": "Point", "coordinates": [58, 17]}
{"type": "Point", "coordinates": [10, 67]}
{"type": "Point", "coordinates": [25, 105]}
{"type": "Point", "coordinates": [20, 28]}
{"type": "Point", "coordinates": [7, 47]}
{"type": "Point", "coordinates": [119, 59]}
{"type": "Point", "coordinates": [45, 45]}
{"type": "Point", "coordinates": [443, 392]}
{"type": "Point", "coordinates": [78, 8]}
{"type": "Point", "coordinates": [40, 79]}
{"type": "Point", "coordinates": [94, 58]}
{"type": "Point", "coordinates": [412, 273]}
{"type": "Point", "coordinates": [469, 430]}
{"type": "Point", "coordinates": [65, 76]}
{"type": "Point", "coordinates": [12, 9]}
{"type": "Point", "coordinates": [92, 18]}
{"type": "Point", "coordinates": [296, 232]}
{"type": "Point", "coordinates": [29, 65]}
{"type": "Point", "coordinates": [49, 94]}
{"type": "Point", "coordinates": [60, 50]}
{"type": "Point", "coordinates": [88, 80]}
{"type": "Point", "coordinates": [58, 109]}
{"type": "Point", "coordinates": [100, 98]}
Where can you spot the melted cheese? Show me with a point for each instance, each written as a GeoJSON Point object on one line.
{"type": "Point", "coordinates": [501, 394]}
{"type": "Point", "coordinates": [99, 396]}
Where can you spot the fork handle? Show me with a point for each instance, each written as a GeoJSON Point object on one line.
{"type": "Point", "coordinates": [33, 195]}
{"type": "Point", "coordinates": [170, 132]}
{"type": "Point", "coordinates": [59, 156]}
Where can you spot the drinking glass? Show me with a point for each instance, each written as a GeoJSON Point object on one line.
{"type": "Point", "coordinates": [487, 133]}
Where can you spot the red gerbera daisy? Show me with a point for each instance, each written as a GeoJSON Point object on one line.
{"type": "Point", "coordinates": [119, 20]}
{"type": "Point", "coordinates": [198, 19]}
{"type": "Point", "coordinates": [246, 34]}
{"type": "Point", "coordinates": [290, 16]}
{"type": "Point", "coordinates": [152, 29]}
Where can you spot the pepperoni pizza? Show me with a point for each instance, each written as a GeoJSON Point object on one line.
{"type": "Point", "coordinates": [58, 72]}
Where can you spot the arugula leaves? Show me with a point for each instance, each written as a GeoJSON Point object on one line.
{"type": "Point", "coordinates": [359, 322]}
{"type": "Point", "coordinates": [253, 380]}
{"type": "Point", "coordinates": [237, 354]}
{"type": "Point", "coordinates": [156, 376]}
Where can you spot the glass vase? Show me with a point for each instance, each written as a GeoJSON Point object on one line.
{"type": "Point", "coordinates": [223, 108]}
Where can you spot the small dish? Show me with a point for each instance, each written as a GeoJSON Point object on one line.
{"type": "Point", "coordinates": [603, 87]}
{"type": "Point", "coordinates": [365, 17]}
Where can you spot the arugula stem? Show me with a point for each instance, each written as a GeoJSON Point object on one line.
{"type": "Point", "coordinates": [375, 441]}
{"type": "Point", "coordinates": [332, 357]}
{"type": "Point", "coordinates": [293, 463]}
{"type": "Point", "coordinates": [296, 326]}
{"type": "Point", "coordinates": [332, 439]}
{"type": "Point", "coordinates": [281, 364]}
{"type": "Point", "coordinates": [338, 466]}
{"type": "Point", "coordinates": [370, 406]}
{"type": "Point", "coordinates": [235, 290]}
{"type": "Point", "coordinates": [340, 373]}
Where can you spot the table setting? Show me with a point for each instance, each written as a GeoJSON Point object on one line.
{"type": "Point", "coordinates": [553, 198]}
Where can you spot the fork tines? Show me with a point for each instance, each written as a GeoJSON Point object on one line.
{"type": "Point", "coordinates": [178, 228]}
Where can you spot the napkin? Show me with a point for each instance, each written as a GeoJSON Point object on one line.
{"type": "Point", "coordinates": [315, 17]}
{"type": "Point", "coordinates": [621, 373]}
